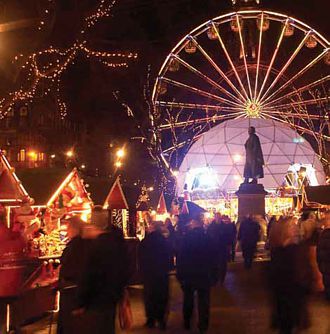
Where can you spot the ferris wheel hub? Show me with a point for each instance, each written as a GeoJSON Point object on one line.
{"type": "Point", "coordinates": [253, 108]}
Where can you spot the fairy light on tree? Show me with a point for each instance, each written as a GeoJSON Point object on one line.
{"type": "Point", "coordinates": [48, 65]}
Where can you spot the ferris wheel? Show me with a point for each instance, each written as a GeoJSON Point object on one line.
{"type": "Point", "coordinates": [245, 64]}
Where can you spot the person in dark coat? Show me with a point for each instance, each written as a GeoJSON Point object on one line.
{"type": "Point", "coordinates": [154, 262]}
{"type": "Point", "coordinates": [196, 271]}
{"type": "Point", "coordinates": [217, 232]}
{"type": "Point", "coordinates": [254, 160]}
{"type": "Point", "coordinates": [323, 255]}
{"type": "Point", "coordinates": [72, 264]}
{"type": "Point", "coordinates": [230, 237]}
{"type": "Point", "coordinates": [170, 235]}
{"type": "Point", "coordinates": [248, 236]}
{"type": "Point", "coordinates": [290, 307]}
{"type": "Point", "coordinates": [104, 278]}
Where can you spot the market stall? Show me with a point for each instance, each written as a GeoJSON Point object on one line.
{"type": "Point", "coordinates": [37, 223]}
{"type": "Point", "coordinates": [56, 194]}
{"type": "Point", "coordinates": [18, 266]}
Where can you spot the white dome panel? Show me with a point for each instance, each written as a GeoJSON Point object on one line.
{"type": "Point", "coordinates": [221, 149]}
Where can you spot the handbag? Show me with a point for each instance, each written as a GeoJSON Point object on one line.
{"type": "Point", "coordinates": [125, 312]}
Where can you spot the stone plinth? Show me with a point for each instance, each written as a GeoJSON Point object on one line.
{"type": "Point", "coordinates": [251, 200]}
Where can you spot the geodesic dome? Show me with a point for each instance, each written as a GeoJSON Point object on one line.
{"type": "Point", "coordinates": [217, 158]}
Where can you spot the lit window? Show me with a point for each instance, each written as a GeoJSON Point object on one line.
{"type": "Point", "coordinates": [41, 156]}
{"type": "Point", "coordinates": [21, 156]}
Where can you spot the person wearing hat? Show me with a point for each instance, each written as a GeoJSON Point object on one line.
{"type": "Point", "coordinates": [196, 271]}
{"type": "Point", "coordinates": [72, 264]}
{"type": "Point", "coordinates": [104, 277]}
{"type": "Point", "coordinates": [154, 264]}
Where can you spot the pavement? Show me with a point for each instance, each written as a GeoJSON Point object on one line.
{"type": "Point", "coordinates": [241, 306]}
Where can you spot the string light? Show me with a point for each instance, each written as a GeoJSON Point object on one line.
{"type": "Point", "coordinates": [46, 66]}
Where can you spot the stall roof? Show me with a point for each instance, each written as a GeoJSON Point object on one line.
{"type": "Point", "coordinates": [11, 188]}
{"type": "Point", "coordinates": [116, 198]}
{"type": "Point", "coordinates": [318, 195]}
{"type": "Point", "coordinates": [126, 196]}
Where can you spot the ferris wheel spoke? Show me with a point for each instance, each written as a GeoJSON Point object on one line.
{"type": "Point", "coordinates": [197, 106]}
{"type": "Point", "coordinates": [230, 60]}
{"type": "Point", "coordinates": [284, 68]}
{"type": "Point", "coordinates": [298, 75]}
{"type": "Point", "coordinates": [258, 57]}
{"type": "Point", "coordinates": [244, 57]}
{"type": "Point", "coordinates": [197, 91]}
{"type": "Point", "coordinates": [300, 103]}
{"type": "Point", "coordinates": [299, 90]}
{"type": "Point", "coordinates": [217, 68]}
{"type": "Point", "coordinates": [301, 128]}
{"type": "Point", "coordinates": [270, 66]}
{"type": "Point", "coordinates": [198, 121]}
{"type": "Point", "coordinates": [209, 80]}
{"type": "Point", "coordinates": [297, 115]}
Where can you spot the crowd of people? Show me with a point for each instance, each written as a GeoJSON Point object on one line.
{"type": "Point", "coordinates": [300, 258]}
{"type": "Point", "coordinates": [93, 275]}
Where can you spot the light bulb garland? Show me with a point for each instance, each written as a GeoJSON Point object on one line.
{"type": "Point", "coordinates": [47, 65]}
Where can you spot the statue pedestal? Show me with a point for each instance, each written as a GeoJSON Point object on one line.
{"type": "Point", "coordinates": [251, 200]}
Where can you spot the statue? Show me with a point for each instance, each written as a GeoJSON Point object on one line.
{"type": "Point", "coordinates": [254, 160]}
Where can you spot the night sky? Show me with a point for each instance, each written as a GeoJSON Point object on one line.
{"type": "Point", "coordinates": [149, 27]}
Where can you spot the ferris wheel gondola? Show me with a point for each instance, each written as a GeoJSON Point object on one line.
{"type": "Point", "coordinates": [246, 64]}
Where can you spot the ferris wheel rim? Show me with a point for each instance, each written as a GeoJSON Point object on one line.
{"type": "Point", "coordinates": [228, 16]}
{"type": "Point", "coordinates": [267, 96]}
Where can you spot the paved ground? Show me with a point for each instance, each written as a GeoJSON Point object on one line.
{"type": "Point", "coordinates": [241, 306]}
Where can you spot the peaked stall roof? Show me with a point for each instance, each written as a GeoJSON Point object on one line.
{"type": "Point", "coordinates": [45, 184]}
{"type": "Point", "coordinates": [161, 207]}
{"type": "Point", "coordinates": [74, 179]}
{"type": "Point", "coordinates": [12, 191]}
{"type": "Point", "coordinates": [116, 198]}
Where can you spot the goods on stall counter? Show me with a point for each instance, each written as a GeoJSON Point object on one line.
{"type": "Point", "coordinates": [50, 245]}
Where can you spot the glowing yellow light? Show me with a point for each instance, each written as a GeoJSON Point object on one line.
{"type": "Point", "coordinates": [237, 158]}
{"type": "Point", "coordinates": [151, 188]}
{"type": "Point", "coordinates": [120, 153]}
{"type": "Point", "coordinates": [175, 173]}
{"type": "Point", "coordinates": [83, 166]}
{"type": "Point", "coordinates": [253, 108]}
{"type": "Point", "coordinates": [7, 318]}
{"type": "Point", "coordinates": [118, 164]}
{"type": "Point", "coordinates": [53, 156]}
{"type": "Point", "coordinates": [33, 155]}
{"type": "Point", "coordinates": [69, 154]}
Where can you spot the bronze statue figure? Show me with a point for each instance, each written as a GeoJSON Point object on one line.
{"type": "Point", "coordinates": [254, 161]}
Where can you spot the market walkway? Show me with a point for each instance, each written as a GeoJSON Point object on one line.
{"type": "Point", "coordinates": [241, 306]}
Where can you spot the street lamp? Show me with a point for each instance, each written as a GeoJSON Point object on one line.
{"type": "Point", "coordinates": [69, 153]}
{"type": "Point", "coordinates": [120, 153]}
{"type": "Point", "coordinates": [118, 164]}
{"type": "Point", "coordinates": [33, 155]}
